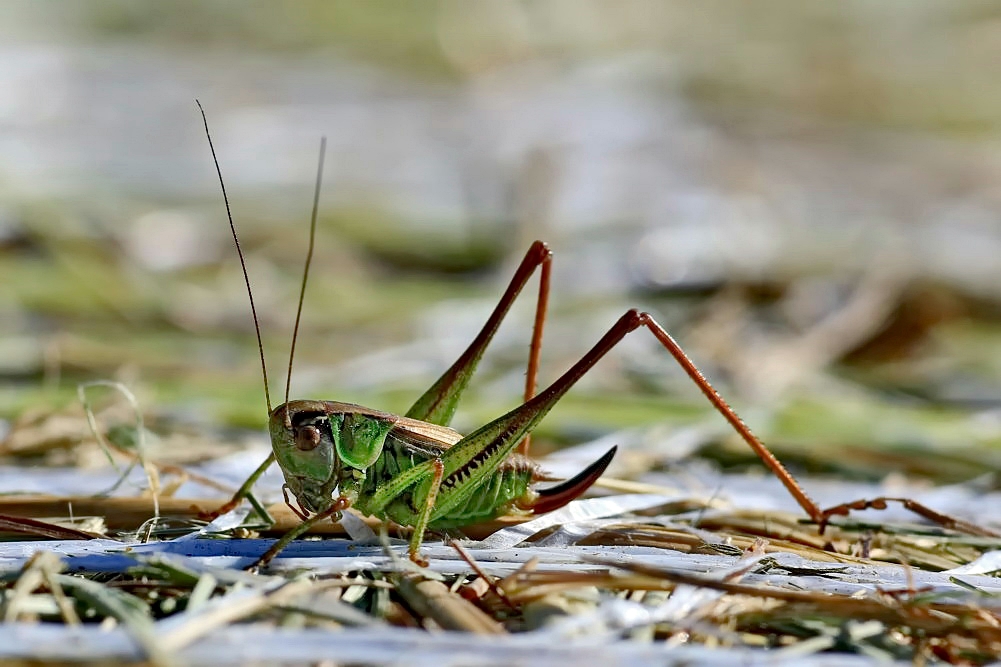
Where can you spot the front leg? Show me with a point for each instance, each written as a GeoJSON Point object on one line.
{"type": "Point", "coordinates": [245, 492]}
{"type": "Point", "coordinates": [337, 506]}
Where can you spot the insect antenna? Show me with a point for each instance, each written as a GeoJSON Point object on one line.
{"type": "Point", "coordinates": [239, 251]}
{"type": "Point", "coordinates": [305, 270]}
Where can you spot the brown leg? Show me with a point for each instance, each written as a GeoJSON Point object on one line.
{"type": "Point", "coordinates": [510, 428]}
{"type": "Point", "coordinates": [438, 403]}
{"type": "Point", "coordinates": [924, 511]}
{"type": "Point", "coordinates": [736, 422]}
{"type": "Point", "coordinates": [535, 349]}
{"type": "Point", "coordinates": [502, 432]}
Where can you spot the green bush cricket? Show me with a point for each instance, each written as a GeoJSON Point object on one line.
{"type": "Point", "coordinates": [418, 472]}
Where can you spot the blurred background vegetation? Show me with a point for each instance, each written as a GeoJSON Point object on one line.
{"type": "Point", "coordinates": [806, 194]}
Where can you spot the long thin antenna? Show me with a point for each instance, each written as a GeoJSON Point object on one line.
{"type": "Point", "coordinates": [243, 263]}
{"type": "Point", "coordinates": [305, 270]}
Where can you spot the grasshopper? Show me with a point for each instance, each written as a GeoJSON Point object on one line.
{"type": "Point", "coordinates": [416, 471]}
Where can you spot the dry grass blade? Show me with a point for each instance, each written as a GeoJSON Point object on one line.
{"type": "Point", "coordinates": [120, 513]}
{"type": "Point", "coordinates": [123, 607]}
{"type": "Point", "coordinates": [151, 474]}
{"type": "Point", "coordinates": [130, 513]}
{"type": "Point", "coordinates": [180, 630]}
{"type": "Point", "coordinates": [434, 600]}
{"type": "Point", "coordinates": [928, 617]}
{"type": "Point", "coordinates": [15, 524]}
{"type": "Point", "coordinates": [31, 577]}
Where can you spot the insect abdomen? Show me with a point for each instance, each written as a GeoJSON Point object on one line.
{"type": "Point", "coordinates": [494, 497]}
{"type": "Point", "coordinates": [490, 499]}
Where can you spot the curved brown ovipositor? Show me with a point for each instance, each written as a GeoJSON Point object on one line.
{"type": "Point", "coordinates": [555, 497]}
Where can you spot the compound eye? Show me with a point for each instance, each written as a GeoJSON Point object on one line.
{"type": "Point", "coordinates": [307, 438]}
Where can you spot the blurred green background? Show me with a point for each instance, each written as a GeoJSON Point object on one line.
{"type": "Point", "coordinates": [806, 194]}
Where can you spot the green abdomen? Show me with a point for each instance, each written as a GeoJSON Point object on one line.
{"type": "Point", "coordinates": [492, 497]}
